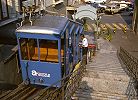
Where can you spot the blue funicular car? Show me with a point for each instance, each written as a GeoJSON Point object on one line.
{"type": "Point", "coordinates": [48, 49]}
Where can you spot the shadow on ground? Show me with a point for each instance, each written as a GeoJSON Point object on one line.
{"type": "Point", "coordinates": [84, 91]}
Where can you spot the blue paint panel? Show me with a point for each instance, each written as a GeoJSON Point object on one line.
{"type": "Point", "coordinates": [23, 68]}
{"type": "Point", "coordinates": [71, 29]}
{"type": "Point", "coordinates": [48, 73]}
{"type": "Point", "coordinates": [65, 28]}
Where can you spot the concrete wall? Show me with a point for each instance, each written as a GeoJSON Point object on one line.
{"type": "Point", "coordinates": [43, 3]}
{"type": "Point", "coordinates": [9, 69]}
{"type": "Point", "coordinates": [9, 72]}
{"type": "Point", "coordinates": [48, 3]}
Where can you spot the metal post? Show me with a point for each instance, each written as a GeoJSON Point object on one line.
{"type": "Point", "coordinates": [67, 2]}
{"type": "Point", "coordinates": [63, 92]}
{"type": "Point", "coordinates": [66, 11]}
{"type": "Point", "coordinates": [96, 34]}
{"type": "Point", "coordinates": [135, 17]}
{"type": "Point", "coordinates": [125, 28]}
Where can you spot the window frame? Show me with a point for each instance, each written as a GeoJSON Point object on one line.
{"type": "Point", "coordinates": [57, 49]}
{"type": "Point", "coordinates": [21, 57]}
{"type": "Point", "coordinates": [38, 46]}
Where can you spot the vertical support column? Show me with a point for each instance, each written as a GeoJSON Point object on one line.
{"type": "Point", "coordinates": [17, 7]}
{"type": "Point", "coordinates": [14, 8]}
{"type": "Point", "coordinates": [135, 17]}
{"type": "Point", "coordinates": [63, 92]}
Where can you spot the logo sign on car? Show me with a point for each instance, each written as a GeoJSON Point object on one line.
{"type": "Point", "coordinates": [35, 73]}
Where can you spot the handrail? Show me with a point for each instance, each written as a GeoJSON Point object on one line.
{"type": "Point", "coordinates": [130, 61]}
{"type": "Point", "coordinates": [132, 67]}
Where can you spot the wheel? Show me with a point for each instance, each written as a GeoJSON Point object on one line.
{"type": "Point", "coordinates": [26, 82]}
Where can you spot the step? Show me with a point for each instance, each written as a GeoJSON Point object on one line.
{"type": "Point", "coordinates": [100, 55]}
{"type": "Point", "coordinates": [114, 86]}
{"type": "Point", "coordinates": [110, 69]}
{"type": "Point", "coordinates": [86, 95]}
{"type": "Point", "coordinates": [106, 75]}
{"type": "Point", "coordinates": [104, 62]}
{"type": "Point", "coordinates": [108, 72]}
{"type": "Point", "coordinates": [107, 65]}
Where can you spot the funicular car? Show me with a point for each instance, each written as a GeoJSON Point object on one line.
{"type": "Point", "coordinates": [48, 49]}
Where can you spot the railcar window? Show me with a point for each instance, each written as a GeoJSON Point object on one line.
{"type": "Point", "coordinates": [29, 49]}
{"type": "Point", "coordinates": [48, 50]}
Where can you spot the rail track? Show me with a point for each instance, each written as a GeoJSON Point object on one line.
{"type": "Point", "coordinates": [31, 92]}
{"type": "Point", "coordinates": [24, 92]}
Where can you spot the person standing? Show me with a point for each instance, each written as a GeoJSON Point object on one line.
{"type": "Point", "coordinates": [84, 46]}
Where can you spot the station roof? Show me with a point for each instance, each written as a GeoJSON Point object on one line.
{"type": "Point", "coordinates": [45, 25]}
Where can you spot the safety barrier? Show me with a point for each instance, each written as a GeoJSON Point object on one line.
{"type": "Point", "coordinates": [130, 62]}
{"type": "Point", "coordinates": [132, 67]}
{"type": "Point", "coordinates": [70, 84]}
{"type": "Point", "coordinates": [125, 28]}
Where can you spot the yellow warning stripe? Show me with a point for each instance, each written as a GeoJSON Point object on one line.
{"type": "Point", "coordinates": [77, 67]}
{"type": "Point", "coordinates": [109, 26]}
{"type": "Point", "coordinates": [102, 26]}
{"type": "Point", "coordinates": [94, 26]}
{"type": "Point", "coordinates": [89, 27]}
{"type": "Point", "coordinates": [119, 26]}
{"type": "Point", "coordinates": [116, 26]}
{"type": "Point", "coordinates": [122, 25]}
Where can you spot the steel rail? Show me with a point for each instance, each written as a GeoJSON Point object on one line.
{"type": "Point", "coordinates": [24, 97]}
{"type": "Point", "coordinates": [21, 93]}
{"type": "Point", "coordinates": [70, 83]}
{"type": "Point", "coordinates": [14, 92]}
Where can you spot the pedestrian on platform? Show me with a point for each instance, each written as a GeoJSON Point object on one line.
{"type": "Point", "coordinates": [84, 46]}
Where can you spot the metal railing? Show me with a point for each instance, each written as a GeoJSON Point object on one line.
{"type": "Point", "coordinates": [132, 69]}
{"type": "Point", "coordinates": [130, 62]}
{"type": "Point", "coordinates": [70, 84]}
{"type": "Point", "coordinates": [131, 90]}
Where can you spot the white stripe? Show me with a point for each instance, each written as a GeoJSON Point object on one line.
{"type": "Point", "coordinates": [109, 26]}
{"type": "Point", "coordinates": [117, 26]}
{"type": "Point", "coordinates": [122, 25]}
{"type": "Point", "coordinates": [94, 26]}
{"type": "Point", "coordinates": [102, 27]}
{"type": "Point", "coordinates": [89, 28]}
